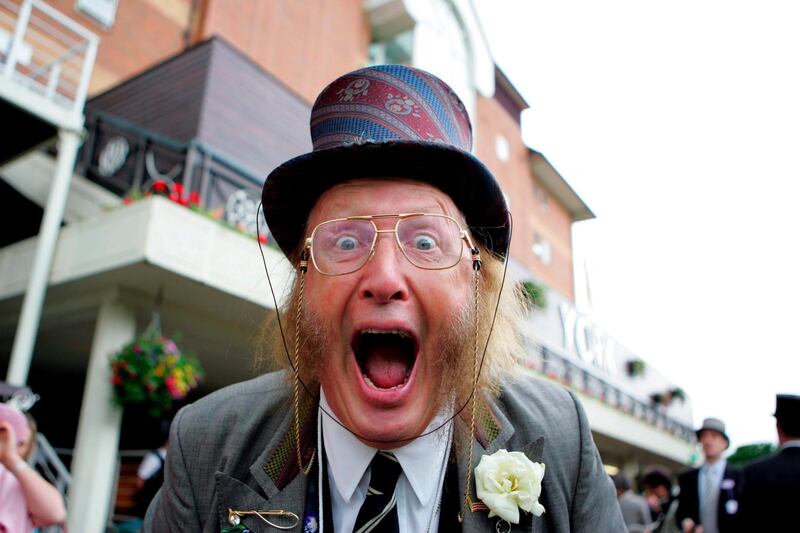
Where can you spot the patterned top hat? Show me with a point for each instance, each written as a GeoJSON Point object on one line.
{"type": "Point", "coordinates": [387, 121]}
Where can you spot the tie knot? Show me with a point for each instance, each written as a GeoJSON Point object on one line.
{"type": "Point", "coordinates": [384, 472]}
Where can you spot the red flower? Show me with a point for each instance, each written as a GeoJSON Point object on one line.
{"type": "Point", "coordinates": [179, 189]}
{"type": "Point", "coordinates": [262, 238]}
{"type": "Point", "coordinates": [160, 186]}
{"type": "Point", "coordinates": [184, 201]}
{"type": "Point", "coordinates": [127, 200]}
{"type": "Point", "coordinates": [116, 380]}
{"type": "Point", "coordinates": [194, 198]}
{"type": "Point", "coordinates": [174, 197]}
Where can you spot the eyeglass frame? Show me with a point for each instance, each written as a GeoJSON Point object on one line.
{"type": "Point", "coordinates": [308, 249]}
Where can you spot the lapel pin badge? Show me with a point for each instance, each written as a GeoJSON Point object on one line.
{"type": "Point", "coordinates": [284, 520]}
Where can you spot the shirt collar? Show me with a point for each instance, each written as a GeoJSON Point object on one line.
{"type": "Point", "coordinates": [794, 443]}
{"type": "Point", "coordinates": [349, 458]}
{"type": "Point", "coordinates": [716, 468]}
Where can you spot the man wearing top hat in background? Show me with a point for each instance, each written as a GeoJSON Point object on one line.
{"type": "Point", "coordinates": [398, 378]}
{"type": "Point", "coordinates": [708, 499]}
{"type": "Point", "coordinates": [771, 487]}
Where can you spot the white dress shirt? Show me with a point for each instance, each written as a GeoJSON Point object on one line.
{"type": "Point", "coordinates": [423, 461]}
{"type": "Point", "coordinates": [708, 509]}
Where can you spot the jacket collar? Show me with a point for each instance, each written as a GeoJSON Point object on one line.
{"type": "Point", "coordinates": [275, 471]}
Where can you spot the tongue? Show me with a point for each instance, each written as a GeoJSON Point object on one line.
{"type": "Point", "coordinates": [386, 367]}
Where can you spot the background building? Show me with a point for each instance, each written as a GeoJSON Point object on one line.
{"type": "Point", "coordinates": [213, 94]}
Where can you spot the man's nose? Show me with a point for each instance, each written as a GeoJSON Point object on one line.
{"type": "Point", "coordinates": [384, 275]}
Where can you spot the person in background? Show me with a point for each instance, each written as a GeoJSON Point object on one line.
{"type": "Point", "coordinates": [635, 511]}
{"type": "Point", "coordinates": [150, 474]}
{"type": "Point", "coordinates": [708, 493]}
{"type": "Point", "coordinates": [657, 483]}
{"type": "Point", "coordinates": [771, 487]}
{"type": "Point", "coordinates": [27, 500]}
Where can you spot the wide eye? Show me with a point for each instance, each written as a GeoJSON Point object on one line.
{"type": "Point", "coordinates": [346, 243]}
{"type": "Point", "coordinates": [424, 242]}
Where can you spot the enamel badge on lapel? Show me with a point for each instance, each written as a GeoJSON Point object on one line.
{"type": "Point", "coordinates": [289, 519]}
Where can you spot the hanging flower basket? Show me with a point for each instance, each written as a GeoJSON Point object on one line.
{"type": "Point", "coordinates": [153, 372]}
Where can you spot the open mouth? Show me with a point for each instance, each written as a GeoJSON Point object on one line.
{"type": "Point", "coordinates": [385, 357]}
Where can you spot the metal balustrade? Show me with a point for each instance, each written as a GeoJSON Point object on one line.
{"type": "Point", "coordinates": [49, 464]}
{"type": "Point", "coordinates": [561, 369]}
{"type": "Point", "coordinates": [128, 160]}
{"type": "Point", "coordinates": [45, 52]}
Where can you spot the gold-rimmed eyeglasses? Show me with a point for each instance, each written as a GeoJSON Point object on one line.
{"type": "Point", "coordinates": [429, 241]}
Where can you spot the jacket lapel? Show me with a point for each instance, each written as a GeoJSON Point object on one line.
{"type": "Point", "coordinates": [273, 482]}
{"type": "Point", "coordinates": [493, 432]}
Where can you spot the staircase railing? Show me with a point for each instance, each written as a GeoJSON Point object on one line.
{"type": "Point", "coordinates": [47, 52]}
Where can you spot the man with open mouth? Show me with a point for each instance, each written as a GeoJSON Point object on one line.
{"type": "Point", "coordinates": [400, 349]}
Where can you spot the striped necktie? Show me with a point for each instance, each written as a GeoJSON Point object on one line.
{"type": "Point", "coordinates": [379, 511]}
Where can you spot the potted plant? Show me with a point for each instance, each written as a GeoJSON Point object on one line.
{"type": "Point", "coordinates": [677, 393]}
{"type": "Point", "coordinates": [534, 294]}
{"type": "Point", "coordinates": [635, 367]}
{"type": "Point", "coordinates": [657, 398]}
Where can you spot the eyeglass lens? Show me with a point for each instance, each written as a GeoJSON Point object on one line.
{"type": "Point", "coordinates": [427, 241]}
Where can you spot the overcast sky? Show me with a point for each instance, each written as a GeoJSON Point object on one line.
{"type": "Point", "coordinates": [678, 123]}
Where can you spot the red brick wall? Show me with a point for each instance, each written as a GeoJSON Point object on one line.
{"type": "Point", "coordinates": [530, 215]}
{"type": "Point", "coordinates": [304, 44]}
{"type": "Point", "coordinates": [144, 33]}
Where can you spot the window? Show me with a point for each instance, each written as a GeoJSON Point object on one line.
{"type": "Point", "coordinates": [103, 11]}
{"type": "Point", "coordinates": [541, 249]}
{"type": "Point", "coordinates": [501, 148]}
{"type": "Point", "coordinates": [397, 49]}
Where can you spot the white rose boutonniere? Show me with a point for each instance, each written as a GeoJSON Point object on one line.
{"type": "Point", "coordinates": [507, 482]}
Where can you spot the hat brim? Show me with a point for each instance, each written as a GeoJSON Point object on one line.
{"type": "Point", "coordinates": [292, 189]}
{"type": "Point", "coordinates": [725, 436]}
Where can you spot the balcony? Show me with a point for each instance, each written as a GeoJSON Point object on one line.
{"type": "Point", "coordinates": [130, 160]}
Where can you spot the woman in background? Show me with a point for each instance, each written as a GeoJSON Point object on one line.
{"type": "Point", "coordinates": [27, 500]}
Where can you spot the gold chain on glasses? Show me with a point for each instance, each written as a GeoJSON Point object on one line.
{"type": "Point", "coordinates": [296, 384]}
{"type": "Point", "coordinates": [467, 497]}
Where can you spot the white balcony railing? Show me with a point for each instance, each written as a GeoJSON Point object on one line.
{"type": "Point", "coordinates": [46, 53]}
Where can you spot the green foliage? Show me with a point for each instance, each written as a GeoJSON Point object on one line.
{"type": "Point", "coordinates": [154, 372]}
{"type": "Point", "coordinates": [636, 367]}
{"type": "Point", "coordinates": [534, 293]}
{"type": "Point", "coordinates": [657, 398]}
{"type": "Point", "coordinates": [749, 453]}
{"type": "Point", "coordinates": [678, 394]}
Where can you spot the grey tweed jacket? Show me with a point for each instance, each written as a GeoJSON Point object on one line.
{"type": "Point", "coordinates": [235, 449]}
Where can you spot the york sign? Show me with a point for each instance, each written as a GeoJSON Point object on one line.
{"type": "Point", "coordinates": [583, 337]}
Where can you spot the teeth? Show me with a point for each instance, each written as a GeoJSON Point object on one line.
{"type": "Point", "coordinates": [387, 332]}
{"type": "Point", "coordinates": [371, 384]}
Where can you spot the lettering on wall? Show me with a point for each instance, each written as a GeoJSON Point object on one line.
{"type": "Point", "coordinates": [584, 338]}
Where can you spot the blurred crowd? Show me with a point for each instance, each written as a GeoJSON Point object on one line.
{"type": "Point", "coordinates": [717, 497]}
